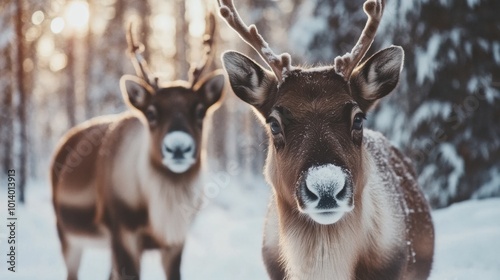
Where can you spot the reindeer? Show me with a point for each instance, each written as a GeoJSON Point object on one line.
{"type": "Point", "coordinates": [345, 203]}
{"type": "Point", "coordinates": [130, 181]}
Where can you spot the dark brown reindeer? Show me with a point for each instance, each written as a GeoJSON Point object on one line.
{"type": "Point", "coordinates": [346, 204]}
{"type": "Point", "coordinates": [130, 181]}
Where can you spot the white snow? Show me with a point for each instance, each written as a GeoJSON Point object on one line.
{"type": "Point", "coordinates": [428, 111]}
{"type": "Point", "coordinates": [484, 44]}
{"type": "Point", "coordinates": [445, 3]}
{"type": "Point", "coordinates": [426, 59]}
{"type": "Point", "coordinates": [225, 241]}
{"type": "Point", "coordinates": [485, 82]}
{"type": "Point", "coordinates": [451, 156]}
{"type": "Point", "coordinates": [405, 7]}
{"type": "Point", "coordinates": [496, 52]}
{"type": "Point", "coordinates": [393, 120]}
{"type": "Point", "coordinates": [489, 188]}
{"type": "Point", "coordinates": [467, 241]}
{"type": "Point", "coordinates": [307, 26]}
{"type": "Point", "coordinates": [473, 3]}
{"type": "Point", "coordinates": [319, 178]}
{"type": "Point", "coordinates": [455, 36]}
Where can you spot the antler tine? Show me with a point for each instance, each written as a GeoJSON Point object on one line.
{"type": "Point", "coordinates": [280, 64]}
{"type": "Point", "coordinates": [208, 41]}
{"type": "Point", "coordinates": [140, 64]}
{"type": "Point", "coordinates": [344, 65]}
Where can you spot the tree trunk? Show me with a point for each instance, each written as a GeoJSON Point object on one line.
{"type": "Point", "coordinates": [23, 102]}
{"type": "Point", "coordinates": [6, 133]}
{"type": "Point", "coordinates": [6, 87]}
{"type": "Point", "coordinates": [181, 39]}
{"type": "Point", "coordinates": [70, 83]}
{"type": "Point", "coordinates": [144, 10]}
{"type": "Point", "coordinates": [89, 54]}
{"type": "Point", "coordinates": [108, 66]}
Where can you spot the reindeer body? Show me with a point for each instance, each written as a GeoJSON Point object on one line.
{"type": "Point", "coordinates": [388, 235]}
{"type": "Point", "coordinates": [129, 181]}
{"type": "Point", "coordinates": [346, 203]}
{"type": "Point", "coordinates": [114, 189]}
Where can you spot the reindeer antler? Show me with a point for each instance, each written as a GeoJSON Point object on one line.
{"type": "Point", "coordinates": [280, 64]}
{"type": "Point", "coordinates": [208, 41]}
{"type": "Point", "coordinates": [344, 65]}
{"type": "Point", "coordinates": [140, 64]}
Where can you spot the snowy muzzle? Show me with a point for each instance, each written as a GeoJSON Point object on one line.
{"type": "Point", "coordinates": [325, 193]}
{"type": "Point", "coordinates": [178, 151]}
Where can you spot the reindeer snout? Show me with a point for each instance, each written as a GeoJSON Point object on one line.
{"type": "Point", "coordinates": [177, 144]}
{"type": "Point", "coordinates": [324, 186]}
{"type": "Point", "coordinates": [324, 191]}
{"type": "Point", "coordinates": [327, 202]}
{"type": "Point", "coordinates": [178, 151]}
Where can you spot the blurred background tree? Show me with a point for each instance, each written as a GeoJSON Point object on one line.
{"type": "Point", "coordinates": [61, 60]}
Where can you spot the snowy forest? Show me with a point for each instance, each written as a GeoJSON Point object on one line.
{"type": "Point", "coordinates": [61, 62]}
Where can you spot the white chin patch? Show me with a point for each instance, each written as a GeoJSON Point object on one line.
{"type": "Point", "coordinates": [178, 149]}
{"type": "Point", "coordinates": [326, 218]}
{"type": "Point", "coordinates": [177, 167]}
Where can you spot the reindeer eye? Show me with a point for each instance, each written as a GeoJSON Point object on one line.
{"type": "Point", "coordinates": [150, 114]}
{"type": "Point", "coordinates": [200, 111]}
{"type": "Point", "coordinates": [275, 126]}
{"type": "Point", "coordinates": [357, 123]}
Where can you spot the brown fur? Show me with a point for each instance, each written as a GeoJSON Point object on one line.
{"type": "Point", "coordinates": [110, 187]}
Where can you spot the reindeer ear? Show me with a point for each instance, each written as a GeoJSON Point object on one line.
{"type": "Point", "coordinates": [136, 92]}
{"type": "Point", "coordinates": [377, 77]}
{"type": "Point", "coordinates": [211, 88]}
{"type": "Point", "coordinates": [249, 81]}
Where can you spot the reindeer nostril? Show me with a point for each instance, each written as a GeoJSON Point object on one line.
{"type": "Point", "coordinates": [188, 149]}
{"type": "Point", "coordinates": [308, 193]}
{"type": "Point", "coordinates": [168, 149]}
{"type": "Point", "coordinates": [327, 202]}
{"type": "Point", "coordinates": [341, 195]}
{"type": "Point", "coordinates": [178, 154]}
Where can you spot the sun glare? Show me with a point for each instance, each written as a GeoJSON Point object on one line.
{"type": "Point", "coordinates": [37, 17]}
{"type": "Point", "coordinates": [197, 18]}
{"type": "Point", "coordinates": [58, 61]}
{"type": "Point", "coordinates": [76, 15]}
{"type": "Point", "coordinates": [57, 25]}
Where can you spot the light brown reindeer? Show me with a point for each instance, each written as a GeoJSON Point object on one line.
{"type": "Point", "coordinates": [345, 204]}
{"type": "Point", "coordinates": [130, 181]}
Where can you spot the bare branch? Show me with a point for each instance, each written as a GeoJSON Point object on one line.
{"type": "Point", "coordinates": [208, 41]}
{"type": "Point", "coordinates": [280, 64]}
{"type": "Point", "coordinates": [344, 65]}
{"type": "Point", "coordinates": [140, 64]}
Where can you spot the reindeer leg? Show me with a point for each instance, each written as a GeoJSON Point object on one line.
{"type": "Point", "coordinates": [127, 254]}
{"type": "Point", "coordinates": [72, 254]}
{"type": "Point", "coordinates": [171, 258]}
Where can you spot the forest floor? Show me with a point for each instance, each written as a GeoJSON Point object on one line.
{"type": "Point", "coordinates": [226, 237]}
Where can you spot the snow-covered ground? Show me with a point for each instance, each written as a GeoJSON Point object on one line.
{"type": "Point", "coordinates": [468, 241]}
{"type": "Point", "coordinates": [225, 240]}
